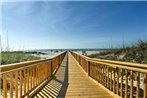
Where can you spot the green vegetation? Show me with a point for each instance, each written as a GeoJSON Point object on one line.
{"type": "Point", "coordinates": [35, 52]}
{"type": "Point", "coordinates": [134, 53]}
{"type": "Point", "coordinates": [16, 57]}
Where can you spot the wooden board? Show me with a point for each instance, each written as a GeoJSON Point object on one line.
{"type": "Point", "coordinates": [71, 82]}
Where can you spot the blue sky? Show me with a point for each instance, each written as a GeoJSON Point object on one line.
{"type": "Point", "coordinates": [48, 25]}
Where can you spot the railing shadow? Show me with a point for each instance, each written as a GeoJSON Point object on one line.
{"type": "Point", "coordinates": [64, 87]}
{"type": "Point", "coordinates": [134, 91]}
{"type": "Point", "coordinates": [57, 87]}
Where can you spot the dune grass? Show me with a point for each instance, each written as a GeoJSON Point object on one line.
{"type": "Point", "coordinates": [16, 57]}
{"type": "Point", "coordinates": [136, 52]}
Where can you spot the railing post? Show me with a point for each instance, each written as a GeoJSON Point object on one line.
{"type": "Point", "coordinates": [114, 82]}
{"type": "Point", "coordinates": [105, 68]}
{"type": "Point", "coordinates": [117, 90]}
{"type": "Point", "coordinates": [79, 60]}
{"type": "Point", "coordinates": [131, 84]}
{"type": "Point", "coordinates": [108, 85]}
{"type": "Point", "coordinates": [67, 57]}
{"type": "Point", "coordinates": [88, 68]}
{"type": "Point", "coordinates": [51, 67]}
{"type": "Point", "coordinates": [110, 79]}
{"type": "Point", "coordinates": [60, 59]}
{"type": "Point", "coordinates": [5, 85]}
{"type": "Point", "coordinates": [126, 84]}
{"type": "Point", "coordinates": [145, 85]}
{"type": "Point", "coordinates": [20, 84]}
{"type": "Point", "coordinates": [11, 85]}
{"type": "Point", "coordinates": [138, 85]}
{"type": "Point", "coordinates": [121, 83]}
{"type": "Point", "coordinates": [16, 84]}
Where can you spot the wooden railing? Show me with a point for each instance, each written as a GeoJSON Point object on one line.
{"type": "Point", "coordinates": [22, 79]}
{"type": "Point", "coordinates": [127, 80]}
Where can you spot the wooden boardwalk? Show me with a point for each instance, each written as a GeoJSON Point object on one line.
{"type": "Point", "coordinates": [65, 75]}
{"type": "Point", "coordinates": [71, 81]}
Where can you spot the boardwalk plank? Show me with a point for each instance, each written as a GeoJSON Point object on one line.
{"type": "Point", "coordinates": [71, 82]}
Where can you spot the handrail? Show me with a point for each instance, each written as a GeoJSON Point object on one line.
{"type": "Point", "coordinates": [143, 66]}
{"type": "Point", "coordinates": [118, 77]}
{"type": "Point", "coordinates": [117, 63]}
{"type": "Point", "coordinates": [22, 64]}
{"type": "Point", "coordinates": [23, 78]}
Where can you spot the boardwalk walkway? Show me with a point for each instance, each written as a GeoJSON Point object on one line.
{"type": "Point", "coordinates": [71, 81]}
